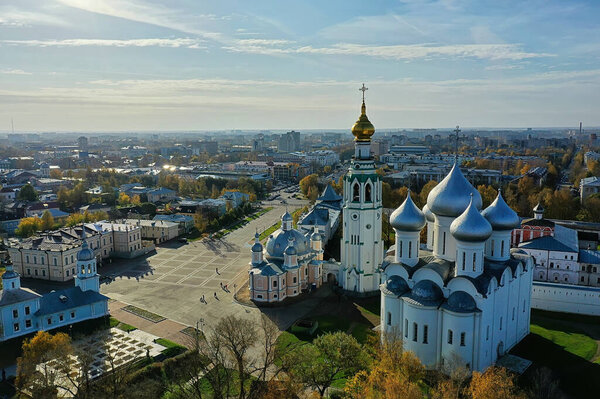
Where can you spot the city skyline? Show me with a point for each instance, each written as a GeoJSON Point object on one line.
{"type": "Point", "coordinates": [82, 65]}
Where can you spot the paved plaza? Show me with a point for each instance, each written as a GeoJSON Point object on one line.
{"type": "Point", "coordinates": [172, 281]}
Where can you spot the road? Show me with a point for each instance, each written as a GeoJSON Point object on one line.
{"type": "Point", "coordinates": [172, 281]}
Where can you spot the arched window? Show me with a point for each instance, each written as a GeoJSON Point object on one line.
{"type": "Point", "coordinates": [474, 260]}
{"type": "Point", "coordinates": [415, 331]}
{"type": "Point", "coordinates": [502, 248]}
{"type": "Point", "coordinates": [450, 334]}
{"type": "Point", "coordinates": [400, 248]}
{"type": "Point", "coordinates": [405, 328]}
{"type": "Point", "coordinates": [464, 260]}
{"type": "Point", "coordinates": [410, 249]}
{"type": "Point", "coordinates": [355, 193]}
{"type": "Point", "coordinates": [368, 192]}
{"type": "Point", "coordinates": [389, 318]}
{"type": "Point", "coordinates": [492, 247]}
{"type": "Point", "coordinates": [444, 244]}
{"type": "Point", "coordinates": [82, 269]}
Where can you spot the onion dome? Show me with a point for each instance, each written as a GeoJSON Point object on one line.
{"type": "Point", "coordinates": [290, 249]}
{"type": "Point", "coordinates": [460, 301]}
{"type": "Point", "coordinates": [85, 253]}
{"type": "Point", "coordinates": [471, 226]}
{"type": "Point", "coordinates": [257, 247]}
{"type": "Point", "coordinates": [278, 241]}
{"type": "Point", "coordinates": [363, 129]}
{"type": "Point", "coordinates": [427, 290]}
{"type": "Point", "coordinates": [286, 217]}
{"type": "Point", "coordinates": [315, 236]}
{"type": "Point", "coordinates": [396, 285]}
{"type": "Point", "coordinates": [428, 214]}
{"type": "Point", "coordinates": [407, 217]}
{"type": "Point", "coordinates": [9, 273]}
{"type": "Point", "coordinates": [500, 215]}
{"type": "Point", "coordinates": [452, 195]}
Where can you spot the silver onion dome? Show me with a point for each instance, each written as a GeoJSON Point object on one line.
{"type": "Point", "coordinates": [315, 236]}
{"type": "Point", "coordinates": [452, 196]}
{"type": "Point", "coordinates": [428, 214]}
{"type": "Point", "coordinates": [471, 226]}
{"type": "Point", "coordinates": [407, 217]}
{"type": "Point", "coordinates": [500, 215]}
{"type": "Point", "coordinates": [85, 253]}
{"type": "Point", "coordinates": [286, 216]}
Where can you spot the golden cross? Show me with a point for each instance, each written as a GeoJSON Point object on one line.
{"type": "Point", "coordinates": [363, 89]}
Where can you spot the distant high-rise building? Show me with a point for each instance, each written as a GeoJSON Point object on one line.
{"type": "Point", "coordinates": [289, 142]}
{"type": "Point", "coordinates": [82, 142]}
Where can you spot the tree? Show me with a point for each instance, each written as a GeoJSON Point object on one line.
{"type": "Point", "coordinates": [331, 357]}
{"type": "Point", "coordinates": [29, 226]}
{"type": "Point", "coordinates": [313, 194]}
{"type": "Point", "coordinates": [27, 193]}
{"type": "Point", "coordinates": [488, 194]}
{"type": "Point", "coordinates": [238, 336]}
{"type": "Point", "coordinates": [74, 219]}
{"type": "Point", "coordinates": [47, 221]}
{"type": "Point", "coordinates": [425, 192]}
{"type": "Point", "coordinates": [494, 383]}
{"type": "Point", "coordinates": [136, 200]}
{"type": "Point", "coordinates": [124, 199]}
{"type": "Point", "coordinates": [309, 181]}
{"type": "Point", "coordinates": [34, 373]}
{"type": "Point", "coordinates": [56, 174]}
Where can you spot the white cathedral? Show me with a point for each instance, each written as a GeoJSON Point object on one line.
{"type": "Point", "coordinates": [462, 297]}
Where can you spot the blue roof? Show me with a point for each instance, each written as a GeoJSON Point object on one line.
{"type": "Point", "coordinates": [589, 256]}
{"type": "Point", "coordinates": [316, 217]}
{"type": "Point", "coordinates": [546, 243]}
{"type": "Point", "coordinates": [73, 298]}
{"type": "Point", "coordinates": [329, 195]}
{"type": "Point", "coordinates": [175, 218]}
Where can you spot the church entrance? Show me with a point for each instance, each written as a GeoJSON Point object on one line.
{"type": "Point", "coordinates": [331, 279]}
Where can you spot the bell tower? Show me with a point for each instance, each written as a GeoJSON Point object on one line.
{"type": "Point", "coordinates": [361, 246]}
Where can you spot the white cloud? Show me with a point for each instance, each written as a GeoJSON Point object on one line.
{"type": "Point", "coordinates": [399, 52]}
{"type": "Point", "coordinates": [14, 72]}
{"type": "Point", "coordinates": [10, 16]}
{"type": "Point", "coordinates": [152, 42]}
{"type": "Point", "coordinates": [263, 42]}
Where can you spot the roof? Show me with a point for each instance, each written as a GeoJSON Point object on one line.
{"type": "Point", "coordinates": [589, 256]}
{"type": "Point", "coordinates": [546, 243]}
{"type": "Point", "coordinates": [175, 218]}
{"type": "Point", "coordinates": [67, 299]}
{"type": "Point", "coordinates": [329, 195]}
{"type": "Point", "coordinates": [590, 181]}
{"type": "Point", "coordinates": [8, 297]}
{"type": "Point", "coordinates": [537, 222]}
{"type": "Point", "coordinates": [317, 216]}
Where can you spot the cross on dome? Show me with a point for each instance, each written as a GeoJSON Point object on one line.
{"type": "Point", "coordinates": [363, 89]}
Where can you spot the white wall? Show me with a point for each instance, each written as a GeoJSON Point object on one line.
{"type": "Point", "coordinates": [566, 298]}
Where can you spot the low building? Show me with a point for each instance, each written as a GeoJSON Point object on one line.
{"type": "Point", "coordinates": [185, 222]}
{"type": "Point", "coordinates": [235, 198]}
{"type": "Point", "coordinates": [324, 215]}
{"type": "Point", "coordinates": [23, 311]}
{"type": "Point", "coordinates": [589, 186]}
{"type": "Point", "coordinates": [158, 231]}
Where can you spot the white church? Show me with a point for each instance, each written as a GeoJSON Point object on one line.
{"type": "Point", "coordinates": [463, 296]}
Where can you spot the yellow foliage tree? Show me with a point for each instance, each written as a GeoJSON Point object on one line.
{"type": "Point", "coordinates": [124, 199]}
{"type": "Point", "coordinates": [494, 383]}
{"type": "Point", "coordinates": [47, 221]}
{"type": "Point", "coordinates": [29, 226]}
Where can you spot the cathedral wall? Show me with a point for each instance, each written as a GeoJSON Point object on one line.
{"type": "Point", "coordinates": [392, 314]}
{"type": "Point", "coordinates": [454, 345]}
{"type": "Point", "coordinates": [422, 335]}
{"type": "Point", "coordinates": [444, 245]}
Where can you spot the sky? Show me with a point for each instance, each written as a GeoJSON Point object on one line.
{"type": "Point", "coordinates": [172, 65]}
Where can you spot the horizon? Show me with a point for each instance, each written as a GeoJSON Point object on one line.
{"type": "Point", "coordinates": [121, 66]}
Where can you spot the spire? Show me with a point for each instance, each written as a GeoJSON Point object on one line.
{"type": "Point", "coordinates": [363, 129]}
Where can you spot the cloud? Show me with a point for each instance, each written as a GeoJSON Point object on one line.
{"type": "Point", "coordinates": [152, 42]}
{"type": "Point", "coordinates": [398, 52]}
{"type": "Point", "coordinates": [10, 16]}
{"type": "Point", "coordinates": [14, 72]}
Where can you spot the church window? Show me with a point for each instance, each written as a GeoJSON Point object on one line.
{"type": "Point", "coordinates": [55, 262]}
{"type": "Point", "coordinates": [410, 249]}
{"type": "Point", "coordinates": [389, 318]}
{"type": "Point", "coordinates": [464, 260]}
{"type": "Point", "coordinates": [444, 244]}
{"type": "Point", "coordinates": [450, 336]}
{"type": "Point", "coordinates": [474, 260]}
{"type": "Point", "coordinates": [89, 268]}
{"type": "Point", "coordinates": [582, 279]}
{"type": "Point", "coordinates": [368, 193]}
{"type": "Point", "coordinates": [306, 272]}
{"type": "Point", "coordinates": [29, 272]}
{"type": "Point", "coordinates": [541, 275]}
{"type": "Point", "coordinates": [12, 285]}
{"type": "Point", "coordinates": [35, 271]}
{"type": "Point", "coordinates": [35, 260]}
{"type": "Point", "coordinates": [524, 306]}
{"type": "Point", "coordinates": [500, 323]}
{"type": "Point", "coordinates": [15, 313]}
{"type": "Point", "coordinates": [43, 273]}
{"type": "Point", "coordinates": [566, 278]}
{"type": "Point", "coordinates": [502, 248]}
{"type": "Point", "coordinates": [513, 314]}
{"type": "Point", "coordinates": [425, 333]}
{"type": "Point", "coordinates": [61, 317]}
{"type": "Point", "coordinates": [405, 328]}
{"type": "Point", "coordinates": [16, 326]}
{"type": "Point", "coordinates": [82, 269]}
{"type": "Point", "coordinates": [355, 193]}
{"type": "Point", "coordinates": [72, 259]}
{"type": "Point", "coordinates": [400, 248]}
{"type": "Point", "coordinates": [27, 310]}
{"type": "Point", "coordinates": [415, 331]}
{"type": "Point", "coordinates": [492, 248]}
{"type": "Point", "coordinates": [551, 265]}
{"type": "Point", "coordinates": [462, 339]}
{"type": "Point", "coordinates": [274, 283]}
{"type": "Point", "coordinates": [27, 258]}
{"type": "Point", "coordinates": [73, 315]}
{"type": "Point", "coordinates": [295, 279]}
{"type": "Point", "coordinates": [487, 333]}
{"type": "Point", "coordinates": [49, 320]}
{"type": "Point", "coordinates": [28, 323]}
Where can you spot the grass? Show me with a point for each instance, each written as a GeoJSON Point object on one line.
{"type": "Point", "coordinates": [120, 325]}
{"type": "Point", "coordinates": [171, 348]}
{"type": "Point", "coordinates": [153, 317]}
{"type": "Point", "coordinates": [277, 225]}
{"type": "Point", "coordinates": [575, 343]}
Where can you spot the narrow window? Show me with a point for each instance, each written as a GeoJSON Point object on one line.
{"type": "Point", "coordinates": [401, 245]}
{"type": "Point", "coordinates": [355, 193]}
{"type": "Point", "coordinates": [389, 318]}
{"type": "Point", "coordinates": [500, 323]}
{"type": "Point", "coordinates": [275, 284]}
{"type": "Point", "coordinates": [49, 321]}
{"type": "Point", "coordinates": [405, 328]}
{"type": "Point", "coordinates": [513, 313]}
{"type": "Point", "coordinates": [462, 339]}
{"type": "Point", "coordinates": [15, 313]}
{"type": "Point", "coordinates": [450, 334]}
{"type": "Point", "coordinates": [27, 310]}
{"type": "Point", "coordinates": [28, 323]}
{"type": "Point", "coordinates": [16, 326]}
{"type": "Point", "coordinates": [474, 260]}
{"type": "Point", "coordinates": [487, 333]}
{"type": "Point", "coordinates": [410, 249]}
{"type": "Point", "coordinates": [492, 248]}
{"type": "Point", "coordinates": [415, 331]}
{"type": "Point", "coordinates": [368, 193]}
{"type": "Point", "coordinates": [425, 333]}
{"type": "Point", "coordinates": [464, 260]}
{"type": "Point", "coordinates": [444, 244]}
{"type": "Point", "coordinates": [524, 306]}
{"type": "Point", "coordinates": [72, 315]}
{"type": "Point", "coordinates": [502, 248]}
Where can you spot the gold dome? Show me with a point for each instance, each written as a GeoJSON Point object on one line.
{"type": "Point", "coordinates": [363, 129]}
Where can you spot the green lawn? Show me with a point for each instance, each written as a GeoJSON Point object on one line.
{"type": "Point", "coordinates": [171, 348]}
{"type": "Point", "coordinates": [576, 343]}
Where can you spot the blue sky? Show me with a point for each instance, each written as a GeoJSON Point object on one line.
{"type": "Point", "coordinates": [103, 65]}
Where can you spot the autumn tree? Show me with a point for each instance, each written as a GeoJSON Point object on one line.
{"type": "Point", "coordinates": [494, 383]}
{"type": "Point", "coordinates": [425, 192]}
{"type": "Point", "coordinates": [124, 199]}
{"type": "Point", "coordinates": [47, 222]}
{"type": "Point", "coordinates": [488, 194]}
{"type": "Point", "coordinates": [56, 174]}
{"type": "Point", "coordinates": [329, 358]}
{"type": "Point", "coordinates": [35, 374]}
{"type": "Point", "coordinates": [309, 181]}
{"type": "Point", "coordinates": [28, 226]}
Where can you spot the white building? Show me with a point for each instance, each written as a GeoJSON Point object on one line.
{"type": "Point", "coordinates": [589, 186]}
{"type": "Point", "coordinates": [468, 301]}
{"type": "Point", "coordinates": [323, 157]}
